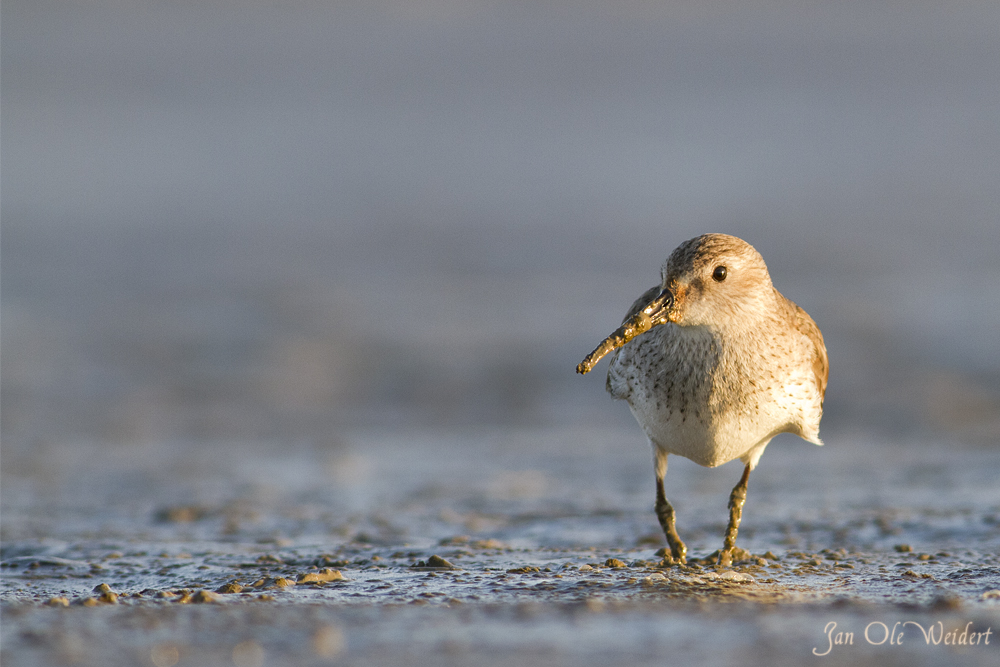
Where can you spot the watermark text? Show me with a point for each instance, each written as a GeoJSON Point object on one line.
{"type": "Point", "coordinates": [878, 633]}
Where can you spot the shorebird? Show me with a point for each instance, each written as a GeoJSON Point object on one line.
{"type": "Point", "coordinates": [714, 362]}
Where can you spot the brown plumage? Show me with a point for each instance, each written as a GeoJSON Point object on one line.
{"type": "Point", "coordinates": [728, 364]}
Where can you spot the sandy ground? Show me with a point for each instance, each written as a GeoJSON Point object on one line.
{"type": "Point", "coordinates": [197, 555]}
{"type": "Point", "coordinates": [254, 254]}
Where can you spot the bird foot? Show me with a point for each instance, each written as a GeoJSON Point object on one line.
{"type": "Point", "coordinates": [669, 558]}
{"type": "Point", "coordinates": [734, 555]}
{"type": "Point", "coordinates": [665, 514]}
{"type": "Point", "coordinates": [676, 553]}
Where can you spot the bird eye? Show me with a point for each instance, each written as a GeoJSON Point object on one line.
{"type": "Point", "coordinates": [719, 274]}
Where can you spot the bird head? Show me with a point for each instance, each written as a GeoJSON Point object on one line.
{"type": "Point", "coordinates": [710, 279]}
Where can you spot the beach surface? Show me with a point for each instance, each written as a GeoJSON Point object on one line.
{"type": "Point", "coordinates": [508, 547]}
{"type": "Point", "coordinates": [293, 294]}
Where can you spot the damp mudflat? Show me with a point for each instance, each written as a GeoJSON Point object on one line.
{"type": "Point", "coordinates": [251, 259]}
{"type": "Point", "coordinates": [494, 547]}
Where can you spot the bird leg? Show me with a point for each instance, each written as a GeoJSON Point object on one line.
{"type": "Point", "coordinates": [736, 500]}
{"type": "Point", "coordinates": [665, 513]}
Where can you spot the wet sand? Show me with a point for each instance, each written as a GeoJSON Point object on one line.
{"type": "Point", "coordinates": [289, 292]}
{"type": "Point", "coordinates": [509, 546]}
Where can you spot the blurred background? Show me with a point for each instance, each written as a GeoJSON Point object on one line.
{"type": "Point", "coordinates": [282, 221]}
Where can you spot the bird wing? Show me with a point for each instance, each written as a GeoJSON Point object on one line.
{"type": "Point", "coordinates": [617, 383]}
{"type": "Point", "coordinates": [821, 363]}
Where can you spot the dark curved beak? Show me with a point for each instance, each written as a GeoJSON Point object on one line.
{"type": "Point", "coordinates": [658, 310]}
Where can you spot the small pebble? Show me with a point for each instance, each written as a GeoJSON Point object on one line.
{"type": "Point", "coordinates": [324, 575]}
{"type": "Point", "coordinates": [64, 602]}
{"type": "Point", "coordinates": [654, 579]}
{"type": "Point", "coordinates": [437, 561]}
{"type": "Point", "coordinates": [231, 587]}
{"type": "Point", "coordinates": [615, 563]}
{"type": "Point", "coordinates": [913, 575]}
{"type": "Point", "coordinates": [202, 597]}
{"type": "Point", "coordinates": [946, 602]}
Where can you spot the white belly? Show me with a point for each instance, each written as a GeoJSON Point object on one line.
{"type": "Point", "coordinates": [711, 436]}
{"type": "Point", "coordinates": [708, 444]}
